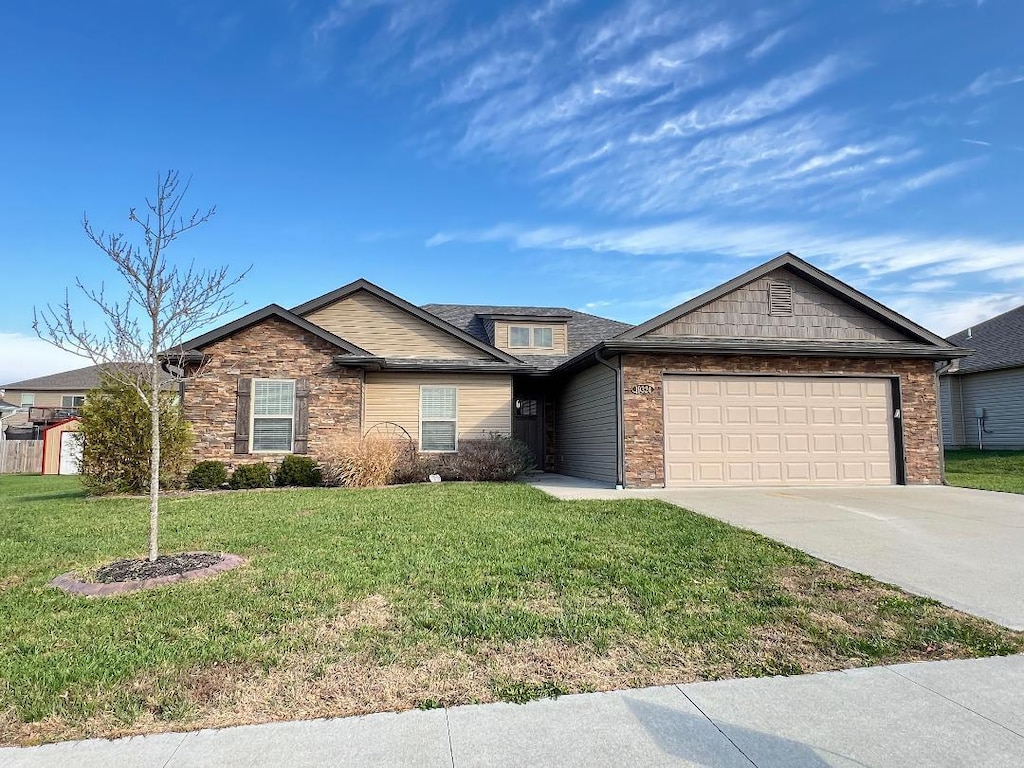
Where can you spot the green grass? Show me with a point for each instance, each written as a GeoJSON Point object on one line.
{"type": "Point", "coordinates": [356, 601]}
{"type": "Point", "coordinates": [987, 470]}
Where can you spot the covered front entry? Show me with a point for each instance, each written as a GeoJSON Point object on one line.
{"type": "Point", "coordinates": [778, 430]}
{"type": "Point", "coordinates": [528, 422]}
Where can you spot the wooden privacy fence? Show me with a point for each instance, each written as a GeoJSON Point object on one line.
{"type": "Point", "coordinates": [18, 456]}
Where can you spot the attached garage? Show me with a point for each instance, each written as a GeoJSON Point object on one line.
{"type": "Point", "coordinates": [779, 430]}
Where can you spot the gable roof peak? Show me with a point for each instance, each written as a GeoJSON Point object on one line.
{"type": "Point", "coordinates": [362, 284]}
{"type": "Point", "coordinates": [808, 272]}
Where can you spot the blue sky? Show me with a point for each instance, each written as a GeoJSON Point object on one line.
{"type": "Point", "coordinates": [612, 156]}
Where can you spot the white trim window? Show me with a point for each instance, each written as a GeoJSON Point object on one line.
{"type": "Point", "coordinates": [531, 337]}
{"type": "Point", "coordinates": [28, 399]}
{"type": "Point", "coordinates": [72, 401]}
{"type": "Point", "coordinates": [273, 415]}
{"type": "Point", "coordinates": [439, 426]}
{"type": "Point", "coordinates": [519, 336]}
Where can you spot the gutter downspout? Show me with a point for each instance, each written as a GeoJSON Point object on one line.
{"type": "Point", "coordinates": [619, 457]}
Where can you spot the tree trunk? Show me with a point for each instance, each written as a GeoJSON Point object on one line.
{"type": "Point", "coordinates": [154, 458]}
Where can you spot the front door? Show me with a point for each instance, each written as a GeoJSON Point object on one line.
{"type": "Point", "coordinates": [528, 425]}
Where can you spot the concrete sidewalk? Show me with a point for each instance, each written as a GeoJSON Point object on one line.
{"type": "Point", "coordinates": [948, 713]}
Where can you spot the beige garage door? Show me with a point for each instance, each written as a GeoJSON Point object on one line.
{"type": "Point", "coordinates": [777, 430]}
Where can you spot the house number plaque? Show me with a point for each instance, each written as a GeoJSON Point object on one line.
{"type": "Point", "coordinates": [642, 389]}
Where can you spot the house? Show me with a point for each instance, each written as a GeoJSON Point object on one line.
{"type": "Point", "coordinates": [46, 400]}
{"type": "Point", "coordinates": [982, 396]}
{"type": "Point", "coordinates": [784, 375]}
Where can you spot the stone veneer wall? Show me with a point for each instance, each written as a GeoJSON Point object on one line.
{"type": "Point", "coordinates": [644, 414]}
{"type": "Point", "coordinates": [272, 349]}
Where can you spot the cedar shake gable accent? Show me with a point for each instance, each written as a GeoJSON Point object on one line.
{"type": "Point", "coordinates": [810, 274]}
{"type": "Point", "coordinates": [271, 310]}
{"type": "Point", "coordinates": [427, 317]}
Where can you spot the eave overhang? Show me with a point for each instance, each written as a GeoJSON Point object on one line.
{"type": "Point", "coordinates": [766, 347]}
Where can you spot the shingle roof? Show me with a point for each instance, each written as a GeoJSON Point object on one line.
{"type": "Point", "coordinates": [78, 380]}
{"type": "Point", "coordinates": [584, 330]}
{"type": "Point", "coordinates": [997, 343]}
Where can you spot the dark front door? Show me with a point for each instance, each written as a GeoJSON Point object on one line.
{"type": "Point", "coordinates": [528, 425]}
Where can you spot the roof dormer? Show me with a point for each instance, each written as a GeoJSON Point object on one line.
{"type": "Point", "coordinates": [529, 334]}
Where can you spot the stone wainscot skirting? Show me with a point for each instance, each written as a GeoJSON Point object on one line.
{"type": "Point", "coordinates": [75, 586]}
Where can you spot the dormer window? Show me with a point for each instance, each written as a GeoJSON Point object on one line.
{"type": "Point", "coordinates": [524, 336]}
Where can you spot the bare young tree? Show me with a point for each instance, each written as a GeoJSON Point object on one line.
{"type": "Point", "coordinates": [144, 327]}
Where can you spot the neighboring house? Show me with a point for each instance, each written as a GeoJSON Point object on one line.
{"type": "Point", "coordinates": [46, 400]}
{"type": "Point", "coordinates": [983, 395]}
{"type": "Point", "coordinates": [783, 375]}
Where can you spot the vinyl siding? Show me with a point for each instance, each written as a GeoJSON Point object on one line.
{"type": "Point", "coordinates": [484, 402]}
{"type": "Point", "coordinates": [585, 426]}
{"type": "Point", "coordinates": [558, 338]}
{"type": "Point", "coordinates": [1000, 393]}
{"type": "Point", "coordinates": [384, 329]}
{"type": "Point", "coordinates": [43, 399]}
{"type": "Point", "coordinates": [817, 314]}
{"type": "Point", "coordinates": [946, 410]}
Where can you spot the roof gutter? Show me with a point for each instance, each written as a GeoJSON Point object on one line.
{"type": "Point", "coordinates": [619, 448]}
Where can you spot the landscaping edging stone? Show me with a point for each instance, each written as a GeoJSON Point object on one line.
{"type": "Point", "coordinates": [70, 583]}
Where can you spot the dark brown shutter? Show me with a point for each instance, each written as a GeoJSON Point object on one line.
{"type": "Point", "coordinates": [243, 408]}
{"type": "Point", "coordinates": [301, 443]}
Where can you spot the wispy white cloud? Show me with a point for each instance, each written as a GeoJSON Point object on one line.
{"type": "Point", "coordinates": [993, 80]}
{"type": "Point", "coordinates": [772, 41]}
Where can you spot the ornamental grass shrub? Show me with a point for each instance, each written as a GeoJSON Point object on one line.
{"type": "Point", "coordinates": [365, 462]}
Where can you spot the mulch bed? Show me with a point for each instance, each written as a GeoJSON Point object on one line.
{"type": "Point", "coordinates": [165, 565]}
{"type": "Point", "coordinates": [131, 575]}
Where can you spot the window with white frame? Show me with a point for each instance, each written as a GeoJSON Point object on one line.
{"type": "Point", "coordinates": [273, 415]}
{"type": "Point", "coordinates": [519, 335]}
{"type": "Point", "coordinates": [72, 401]}
{"type": "Point", "coordinates": [439, 407]}
{"type": "Point", "coordinates": [28, 399]}
{"type": "Point", "coordinates": [534, 336]}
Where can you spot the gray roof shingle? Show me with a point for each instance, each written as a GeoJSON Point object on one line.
{"type": "Point", "coordinates": [78, 380]}
{"type": "Point", "coordinates": [997, 343]}
{"type": "Point", "coordinates": [584, 330]}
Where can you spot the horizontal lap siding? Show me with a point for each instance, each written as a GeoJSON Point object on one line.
{"type": "Point", "coordinates": [585, 426]}
{"type": "Point", "coordinates": [946, 411]}
{"type": "Point", "coordinates": [484, 402]}
{"type": "Point", "coordinates": [1001, 394]}
{"type": "Point", "coordinates": [384, 329]}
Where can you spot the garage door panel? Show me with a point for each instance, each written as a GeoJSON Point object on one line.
{"type": "Point", "coordinates": [749, 430]}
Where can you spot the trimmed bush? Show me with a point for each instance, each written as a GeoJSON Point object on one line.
{"type": "Point", "coordinates": [298, 470]}
{"type": "Point", "coordinates": [116, 439]}
{"type": "Point", "coordinates": [207, 475]}
{"type": "Point", "coordinates": [251, 476]}
{"type": "Point", "coordinates": [361, 463]}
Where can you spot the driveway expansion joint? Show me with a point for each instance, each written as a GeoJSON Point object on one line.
{"type": "Point", "coordinates": [955, 702]}
{"type": "Point", "coordinates": [717, 728]}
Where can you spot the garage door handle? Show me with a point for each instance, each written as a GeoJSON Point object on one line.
{"type": "Point", "coordinates": [897, 414]}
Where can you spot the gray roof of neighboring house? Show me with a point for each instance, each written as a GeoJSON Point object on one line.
{"type": "Point", "coordinates": [5, 406]}
{"type": "Point", "coordinates": [997, 343]}
{"type": "Point", "coordinates": [78, 380]}
{"type": "Point", "coordinates": [584, 330]}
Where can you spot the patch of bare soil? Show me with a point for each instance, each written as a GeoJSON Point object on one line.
{"type": "Point", "coordinates": [165, 565]}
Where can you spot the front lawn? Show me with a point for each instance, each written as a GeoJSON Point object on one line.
{"type": "Point", "coordinates": [360, 601]}
{"type": "Point", "coordinates": [987, 470]}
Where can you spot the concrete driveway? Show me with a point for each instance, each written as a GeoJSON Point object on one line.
{"type": "Point", "coordinates": [960, 546]}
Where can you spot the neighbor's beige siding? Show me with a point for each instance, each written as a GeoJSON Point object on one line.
{"type": "Point", "coordinates": [384, 329]}
{"type": "Point", "coordinates": [558, 338]}
{"type": "Point", "coordinates": [817, 314]}
{"type": "Point", "coordinates": [43, 399]}
{"type": "Point", "coordinates": [484, 402]}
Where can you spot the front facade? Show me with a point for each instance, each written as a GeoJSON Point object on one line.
{"type": "Point", "coordinates": [982, 396]}
{"type": "Point", "coordinates": [782, 376]}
